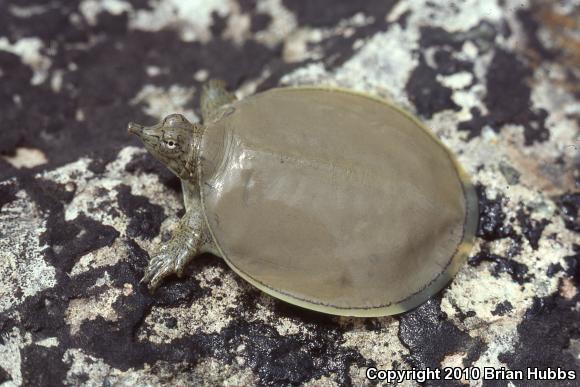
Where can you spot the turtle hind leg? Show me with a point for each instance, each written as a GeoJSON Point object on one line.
{"type": "Point", "coordinates": [213, 97]}
{"type": "Point", "coordinates": [188, 240]}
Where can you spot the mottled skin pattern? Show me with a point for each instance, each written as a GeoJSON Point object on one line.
{"type": "Point", "coordinates": [175, 141]}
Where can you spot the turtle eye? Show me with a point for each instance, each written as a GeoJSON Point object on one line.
{"type": "Point", "coordinates": [170, 144]}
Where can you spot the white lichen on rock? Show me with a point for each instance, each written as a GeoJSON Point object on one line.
{"type": "Point", "coordinates": [381, 345]}
{"type": "Point", "coordinates": [105, 256]}
{"type": "Point", "coordinates": [209, 314]}
{"type": "Point", "coordinates": [23, 269]}
{"type": "Point", "coordinates": [10, 359]}
{"type": "Point", "coordinates": [86, 309]}
{"type": "Point", "coordinates": [192, 19]}
{"type": "Point", "coordinates": [160, 102]}
{"type": "Point", "coordinates": [26, 158]}
{"type": "Point", "coordinates": [30, 51]}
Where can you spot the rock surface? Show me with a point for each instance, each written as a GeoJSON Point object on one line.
{"type": "Point", "coordinates": [81, 203]}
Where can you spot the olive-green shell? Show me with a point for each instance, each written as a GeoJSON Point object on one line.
{"type": "Point", "coordinates": [335, 201]}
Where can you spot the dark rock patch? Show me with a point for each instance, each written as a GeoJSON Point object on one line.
{"type": "Point", "coordinates": [460, 314]}
{"type": "Point", "coordinates": [181, 59]}
{"type": "Point", "coordinates": [518, 271]}
{"type": "Point", "coordinates": [403, 19]}
{"type": "Point", "coordinates": [100, 158]}
{"type": "Point", "coordinates": [474, 352]}
{"type": "Point", "coordinates": [7, 193]}
{"type": "Point", "coordinates": [7, 170]}
{"type": "Point", "coordinates": [502, 308]}
{"type": "Point", "coordinates": [327, 12]}
{"type": "Point", "coordinates": [430, 336]}
{"type": "Point", "coordinates": [35, 355]}
{"type": "Point", "coordinates": [426, 93]}
{"type": "Point", "coordinates": [338, 49]}
{"type": "Point", "coordinates": [145, 216]}
{"type": "Point", "coordinates": [508, 101]}
{"type": "Point", "coordinates": [423, 88]}
{"type": "Point", "coordinates": [247, 6]}
{"type": "Point", "coordinates": [492, 218]}
{"type": "Point", "coordinates": [531, 27]}
{"type": "Point", "coordinates": [69, 241]}
{"type": "Point", "coordinates": [259, 22]}
{"type": "Point", "coordinates": [554, 269]}
{"type": "Point", "coordinates": [293, 359]}
{"type": "Point", "coordinates": [483, 35]}
{"type": "Point", "coordinates": [171, 322]}
{"type": "Point", "coordinates": [219, 24]}
{"type": "Point", "coordinates": [315, 355]}
{"type": "Point", "coordinates": [569, 205]}
{"type": "Point", "coordinates": [437, 36]}
{"type": "Point", "coordinates": [82, 378]}
{"type": "Point", "coordinates": [48, 194]}
{"type": "Point", "coordinates": [111, 24]}
{"type": "Point", "coordinates": [47, 24]}
{"type": "Point", "coordinates": [447, 64]}
{"type": "Point", "coordinates": [544, 337]}
{"type": "Point", "coordinates": [186, 290]}
{"type": "Point", "coordinates": [573, 265]}
{"type": "Point", "coordinates": [4, 375]}
{"type": "Point", "coordinates": [66, 240]}
{"type": "Point", "coordinates": [531, 228]}
{"type": "Point", "coordinates": [145, 163]}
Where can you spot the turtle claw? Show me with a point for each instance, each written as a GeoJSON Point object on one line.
{"type": "Point", "coordinates": [160, 267]}
{"type": "Point", "coordinates": [173, 257]}
{"type": "Point", "coordinates": [166, 262]}
{"type": "Point", "coordinates": [180, 264]}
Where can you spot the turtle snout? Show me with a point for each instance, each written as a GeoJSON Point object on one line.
{"type": "Point", "coordinates": [134, 128]}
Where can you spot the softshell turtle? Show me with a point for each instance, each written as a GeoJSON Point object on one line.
{"type": "Point", "coordinates": [325, 198]}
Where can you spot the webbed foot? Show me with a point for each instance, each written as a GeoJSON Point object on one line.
{"type": "Point", "coordinates": [168, 261]}
{"type": "Point", "coordinates": [176, 254]}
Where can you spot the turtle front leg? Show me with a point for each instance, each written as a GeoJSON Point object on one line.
{"type": "Point", "coordinates": [188, 240]}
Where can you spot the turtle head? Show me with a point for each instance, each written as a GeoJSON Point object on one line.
{"type": "Point", "coordinates": [171, 141]}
